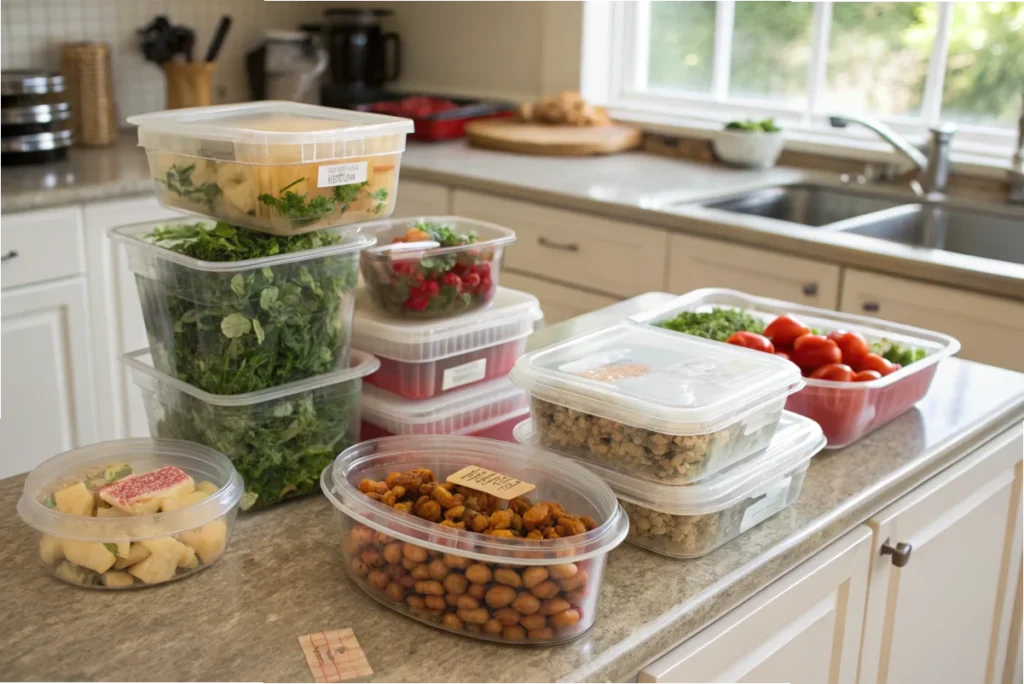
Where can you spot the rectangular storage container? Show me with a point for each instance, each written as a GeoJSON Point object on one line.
{"type": "Point", "coordinates": [846, 411]}
{"type": "Point", "coordinates": [276, 167]}
{"type": "Point", "coordinates": [278, 439]}
{"type": "Point", "coordinates": [649, 404]}
{"type": "Point", "coordinates": [434, 266]}
{"type": "Point", "coordinates": [489, 409]}
{"type": "Point", "coordinates": [691, 521]}
{"type": "Point", "coordinates": [230, 327]}
{"type": "Point", "coordinates": [423, 359]}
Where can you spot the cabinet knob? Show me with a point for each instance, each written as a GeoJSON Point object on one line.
{"type": "Point", "coordinates": [8, 255]}
{"type": "Point", "coordinates": [900, 554]}
{"type": "Point", "coordinates": [562, 246]}
{"type": "Point", "coordinates": [810, 289]}
{"type": "Point", "coordinates": [873, 307]}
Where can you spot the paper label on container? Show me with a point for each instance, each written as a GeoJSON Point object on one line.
{"type": "Point", "coordinates": [490, 482]}
{"type": "Point", "coordinates": [771, 502]}
{"type": "Point", "coordinates": [334, 656]}
{"type": "Point", "coordinates": [330, 175]}
{"type": "Point", "coordinates": [457, 376]}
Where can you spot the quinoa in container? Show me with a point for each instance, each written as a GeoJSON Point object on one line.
{"type": "Point", "coordinates": [653, 404]}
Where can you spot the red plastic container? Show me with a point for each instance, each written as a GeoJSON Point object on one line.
{"type": "Point", "coordinates": [440, 118]}
{"type": "Point", "coordinates": [846, 411]}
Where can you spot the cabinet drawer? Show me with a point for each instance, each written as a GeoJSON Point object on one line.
{"type": "Point", "coordinates": [41, 245]}
{"type": "Point", "coordinates": [579, 249]}
{"type": "Point", "coordinates": [416, 198]}
{"type": "Point", "coordinates": [558, 302]}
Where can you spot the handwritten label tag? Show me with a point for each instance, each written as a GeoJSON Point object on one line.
{"type": "Point", "coordinates": [334, 656]}
{"type": "Point", "coordinates": [490, 482]}
{"type": "Point", "coordinates": [458, 376]}
{"type": "Point", "coordinates": [330, 175]}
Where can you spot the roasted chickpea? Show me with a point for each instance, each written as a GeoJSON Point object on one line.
{"type": "Point", "coordinates": [533, 576]}
{"type": "Point", "coordinates": [502, 520]}
{"type": "Point", "coordinates": [455, 513]}
{"type": "Point", "coordinates": [537, 515]}
{"type": "Point", "coordinates": [478, 616]}
{"type": "Point", "coordinates": [477, 591]}
{"type": "Point", "coordinates": [567, 618]}
{"type": "Point", "coordinates": [374, 495]}
{"type": "Point", "coordinates": [408, 582]}
{"type": "Point", "coordinates": [359, 567]}
{"type": "Point", "coordinates": [514, 633]}
{"type": "Point", "coordinates": [499, 596]}
{"type": "Point", "coordinates": [398, 491]}
{"type": "Point", "coordinates": [403, 506]}
{"type": "Point", "coordinates": [456, 562]}
{"type": "Point", "coordinates": [416, 602]}
{"type": "Point", "coordinates": [378, 578]}
{"type": "Point", "coordinates": [421, 572]}
{"type": "Point", "coordinates": [508, 576]}
{"type": "Point", "coordinates": [362, 534]}
{"type": "Point", "coordinates": [589, 522]}
{"type": "Point", "coordinates": [367, 486]}
{"type": "Point", "coordinates": [414, 553]}
{"type": "Point", "coordinates": [380, 488]}
{"type": "Point", "coordinates": [540, 634]}
{"type": "Point", "coordinates": [393, 553]}
{"type": "Point", "coordinates": [435, 602]}
{"type": "Point", "coordinates": [391, 480]}
{"type": "Point", "coordinates": [546, 589]}
{"type": "Point", "coordinates": [456, 583]}
{"type": "Point", "coordinates": [372, 557]}
{"type": "Point", "coordinates": [554, 605]}
{"type": "Point", "coordinates": [438, 570]}
{"type": "Point", "coordinates": [380, 539]}
{"type": "Point", "coordinates": [492, 626]}
{"type": "Point", "coordinates": [563, 571]}
{"type": "Point", "coordinates": [478, 573]}
{"type": "Point", "coordinates": [535, 621]}
{"type": "Point", "coordinates": [395, 592]}
{"type": "Point", "coordinates": [507, 616]}
{"type": "Point", "coordinates": [526, 603]}
{"type": "Point", "coordinates": [431, 587]}
{"type": "Point", "coordinates": [451, 621]}
{"type": "Point", "coordinates": [467, 602]}
{"type": "Point", "coordinates": [577, 596]}
{"type": "Point", "coordinates": [443, 497]}
{"type": "Point", "coordinates": [430, 510]}
{"type": "Point", "coordinates": [574, 582]}
{"type": "Point", "coordinates": [388, 499]}
{"type": "Point", "coordinates": [397, 572]}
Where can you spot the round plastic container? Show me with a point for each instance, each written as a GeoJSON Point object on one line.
{"type": "Point", "coordinates": [687, 522]}
{"type": "Point", "coordinates": [243, 326]}
{"type": "Point", "coordinates": [104, 552]}
{"type": "Point", "coordinates": [653, 404]}
{"type": "Point", "coordinates": [276, 167]}
{"type": "Point", "coordinates": [489, 409]}
{"type": "Point", "coordinates": [422, 359]}
{"type": "Point", "coordinates": [279, 439]}
{"type": "Point", "coordinates": [561, 607]}
{"type": "Point", "coordinates": [440, 275]}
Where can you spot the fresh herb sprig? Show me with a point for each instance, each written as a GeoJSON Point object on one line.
{"type": "Point", "coordinates": [178, 179]}
{"type": "Point", "coordinates": [305, 210]}
{"type": "Point", "coordinates": [898, 353]}
{"type": "Point", "coordinates": [718, 324]}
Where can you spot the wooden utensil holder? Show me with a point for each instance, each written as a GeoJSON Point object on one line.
{"type": "Point", "coordinates": [189, 84]}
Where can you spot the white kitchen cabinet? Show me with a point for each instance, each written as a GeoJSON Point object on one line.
{"type": "Point", "coordinates": [47, 403]}
{"type": "Point", "coordinates": [416, 198]}
{"type": "Point", "coordinates": [945, 615]}
{"type": "Point", "coordinates": [593, 253]}
{"type": "Point", "coordinates": [558, 302]}
{"type": "Point", "coordinates": [989, 328]}
{"type": "Point", "coordinates": [697, 262]}
{"type": "Point", "coordinates": [803, 628]}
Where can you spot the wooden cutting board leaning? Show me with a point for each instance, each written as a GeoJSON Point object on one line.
{"type": "Point", "coordinates": [553, 140]}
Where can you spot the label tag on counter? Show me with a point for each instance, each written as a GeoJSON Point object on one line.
{"type": "Point", "coordinates": [334, 656]}
{"type": "Point", "coordinates": [457, 376]}
{"type": "Point", "coordinates": [773, 500]}
{"type": "Point", "coordinates": [490, 482]}
{"type": "Point", "coordinates": [330, 175]}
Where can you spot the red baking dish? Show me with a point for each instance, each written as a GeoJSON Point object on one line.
{"type": "Point", "coordinates": [439, 118]}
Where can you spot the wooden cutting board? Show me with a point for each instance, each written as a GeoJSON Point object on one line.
{"type": "Point", "coordinates": [534, 138]}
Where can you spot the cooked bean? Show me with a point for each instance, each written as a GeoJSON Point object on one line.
{"type": "Point", "coordinates": [508, 576]}
{"type": "Point", "coordinates": [554, 605]}
{"type": "Point", "coordinates": [451, 621]}
{"type": "Point", "coordinates": [438, 570]}
{"type": "Point", "coordinates": [563, 571]}
{"type": "Point", "coordinates": [393, 553]}
{"type": "Point", "coordinates": [378, 578]}
{"type": "Point", "coordinates": [359, 567]}
{"type": "Point", "coordinates": [473, 628]}
{"type": "Point", "coordinates": [477, 591]}
{"type": "Point", "coordinates": [456, 583]}
{"type": "Point", "coordinates": [514, 633]}
{"type": "Point", "coordinates": [577, 596]}
{"type": "Point", "coordinates": [535, 621]}
{"type": "Point", "coordinates": [507, 616]}
{"type": "Point", "coordinates": [478, 616]}
{"type": "Point", "coordinates": [414, 553]}
{"type": "Point", "coordinates": [421, 572]}
{"type": "Point", "coordinates": [372, 558]}
{"type": "Point", "coordinates": [526, 603]}
{"type": "Point", "coordinates": [478, 573]}
{"type": "Point", "coordinates": [432, 587]}
{"type": "Point", "coordinates": [540, 634]}
{"type": "Point", "coordinates": [408, 582]}
{"type": "Point", "coordinates": [435, 602]}
{"type": "Point", "coordinates": [567, 618]}
{"type": "Point", "coordinates": [545, 590]}
{"type": "Point", "coordinates": [500, 596]}
{"type": "Point", "coordinates": [467, 602]}
{"type": "Point", "coordinates": [453, 561]}
{"type": "Point", "coordinates": [574, 582]}
{"type": "Point", "coordinates": [534, 576]}
{"type": "Point", "coordinates": [395, 592]}
{"type": "Point", "coordinates": [416, 602]}
{"type": "Point", "coordinates": [408, 563]}
{"type": "Point", "coordinates": [492, 626]}
{"type": "Point", "coordinates": [362, 534]}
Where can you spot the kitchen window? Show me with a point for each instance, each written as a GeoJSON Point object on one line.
{"type": "Point", "coordinates": [911, 64]}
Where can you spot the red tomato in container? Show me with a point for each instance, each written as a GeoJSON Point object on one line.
{"type": "Point", "coordinates": [751, 340]}
{"type": "Point", "coordinates": [784, 330]}
{"type": "Point", "coordinates": [814, 351]}
{"type": "Point", "coordinates": [836, 372]}
{"type": "Point", "coordinates": [853, 345]}
{"type": "Point", "coordinates": [784, 354]}
{"type": "Point", "coordinates": [866, 376]}
{"type": "Point", "coordinates": [876, 363]}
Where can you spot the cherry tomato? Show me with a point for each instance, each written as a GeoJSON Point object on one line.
{"type": "Point", "coordinates": [783, 354]}
{"type": "Point", "coordinates": [876, 363]}
{"type": "Point", "coordinates": [853, 345]}
{"type": "Point", "coordinates": [452, 280]}
{"type": "Point", "coordinates": [751, 340]}
{"type": "Point", "coordinates": [471, 281]}
{"type": "Point", "coordinates": [416, 302]}
{"type": "Point", "coordinates": [815, 351]}
{"type": "Point", "coordinates": [866, 376]}
{"type": "Point", "coordinates": [837, 372]}
{"type": "Point", "coordinates": [784, 330]}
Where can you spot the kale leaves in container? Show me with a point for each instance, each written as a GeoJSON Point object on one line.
{"type": "Point", "coordinates": [718, 324]}
{"type": "Point", "coordinates": [236, 331]}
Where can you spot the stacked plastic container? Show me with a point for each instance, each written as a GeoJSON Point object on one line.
{"type": "Point", "coordinates": [249, 305]}
{"type": "Point", "coordinates": [690, 434]}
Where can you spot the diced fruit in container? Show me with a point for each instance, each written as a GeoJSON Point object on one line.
{"type": "Point", "coordinates": [136, 493]}
{"type": "Point", "coordinates": [92, 555]}
{"type": "Point", "coordinates": [69, 572]}
{"type": "Point", "coordinates": [114, 578]}
{"type": "Point", "coordinates": [169, 546]}
{"type": "Point", "coordinates": [111, 512]}
{"type": "Point", "coordinates": [119, 549]}
{"type": "Point", "coordinates": [208, 541]}
{"type": "Point", "coordinates": [207, 487]}
{"type": "Point", "coordinates": [51, 549]}
{"type": "Point", "coordinates": [158, 567]}
{"type": "Point", "coordinates": [136, 553]}
{"type": "Point", "coordinates": [75, 500]}
{"type": "Point", "coordinates": [182, 501]}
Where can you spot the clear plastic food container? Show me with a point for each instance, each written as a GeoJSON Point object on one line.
{"type": "Point", "coordinates": [231, 327]}
{"type": "Point", "coordinates": [422, 359]}
{"type": "Point", "coordinates": [508, 590]}
{"type": "Point", "coordinates": [164, 532]}
{"type": "Point", "coordinates": [435, 266]}
{"type": "Point", "coordinates": [279, 439]}
{"type": "Point", "coordinates": [846, 411]}
{"type": "Point", "coordinates": [276, 167]}
{"type": "Point", "coordinates": [489, 409]}
{"type": "Point", "coordinates": [687, 522]}
{"type": "Point", "coordinates": [652, 404]}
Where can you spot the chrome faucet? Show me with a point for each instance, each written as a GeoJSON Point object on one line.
{"type": "Point", "coordinates": [1016, 175]}
{"type": "Point", "coordinates": [933, 168]}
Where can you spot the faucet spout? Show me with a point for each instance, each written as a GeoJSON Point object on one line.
{"type": "Point", "coordinates": [885, 133]}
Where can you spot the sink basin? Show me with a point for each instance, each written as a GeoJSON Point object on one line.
{"type": "Point", "coordinates": [806, 204]}
{"type": "Point", "coordinates": [976, 233]}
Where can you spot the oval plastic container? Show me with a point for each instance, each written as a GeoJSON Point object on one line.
{"type": "Point", "coordinates": [691, 521]}
{"type": "Point", "coordinates": [242, 326]}
{"type": "Point", "coordinates": [422, 359]}
{"type": "Point", "coordinates": [434, 281]}
{"type": "Point", "coordinates": [489, 409]}
{"type": "Point", "coordinates": [276, 167]}
{"type": "Point", "coordinates": [846, 411]}
{"type": "Point", "coordinates": [129, 551]}
{"type": "Point", "coordinates": [560, 608]}
{"type": "Point", "coordinates": [653, 404]}
{"type": "Point", "coordinates": [279, 439]}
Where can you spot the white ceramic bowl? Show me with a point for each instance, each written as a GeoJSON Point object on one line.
{"type": "Point", "coordinates": [748, 148]}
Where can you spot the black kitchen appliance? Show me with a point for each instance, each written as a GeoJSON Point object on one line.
{"type": "Point", "coordinates": [359, 48]}
{"type": "Point", "coordinates": [34, 117]}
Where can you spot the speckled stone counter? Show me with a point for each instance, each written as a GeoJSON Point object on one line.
{"type": "Point", "coordinates": [282, 577]}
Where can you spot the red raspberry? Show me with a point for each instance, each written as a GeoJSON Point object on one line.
{"type": "Point", "coordinates": [416, 302]}
{"type": "Point", "coordinates": [483, 268]}
{"type": "Point", "coordinates": [430, 288]}
{"type": "Point", "coordinates": [450, 279]}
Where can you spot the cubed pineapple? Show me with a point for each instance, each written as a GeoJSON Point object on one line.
{"type": "Point", "coordinates": [51, 549]}
{"type": "Point", "coordinates": [208, 541]}
{"type": "Point", "coordinates": [113, 578]}
{"type": "Point", "coordinates": [156, 568]}
{"type": "Point", "coordinates": [207, 486]}
{"type": "Point", "coordinates": [75, 574]}
{"type": "Point", "coordinates": [169, 546]}
{"type": "Point", "coordinates": [136, 553]}
{"type": "Point", "coordinates": [75, 500]}
{"type": "Point", "coordinates": [92, 555]}
{"type": "Point", "coordinates": [182, 501]}
{"type": "Point", "coordinates": [111, 512]}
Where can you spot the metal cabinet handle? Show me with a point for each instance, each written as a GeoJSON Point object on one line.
{"type": "Point", "coordinates": [873, 307]}
{"type": "Point", "coordinates": [8, 255]}
{"type": "Point", "coordinates": [900, 554]}
{"type": "Point", "coordinates": [810, 289]}
{"type": "Point", "coordinates": [563, 246]}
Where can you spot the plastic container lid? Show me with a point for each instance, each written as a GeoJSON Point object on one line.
{"type": "Point", "coordinates": [202, 463]}
{"type": "Point", "coordinates": [453, 413]}
{"type": "Point", "coordinates": [656, 379]}
{"type": "Point", "coordinates": [797, 439]}
{"type": "Point", "coordinates": [510, 316]}
{"type": "Point", "coordinates": [271, 132]}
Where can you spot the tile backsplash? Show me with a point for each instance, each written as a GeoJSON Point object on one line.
{"type": "Point", "coordinates": [33, 31]}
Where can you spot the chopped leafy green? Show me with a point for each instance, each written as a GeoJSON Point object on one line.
{"type": "Point", "coordinates": [751, 126]}
{"type": "Point", "coordinates": [304, 210]}
{"type": "Point", "coordinates": [116, 472]}
{"type": "Point", "coordinates": [51, 501]}
{"type": "Point", "coordinates": [112, 548]}
{"type": "Point", "coordinates": [718, 324]}
{"type": "Point", "coordinates": [898, 353]}
{"type": "Point", "coordinates": [178, 180]}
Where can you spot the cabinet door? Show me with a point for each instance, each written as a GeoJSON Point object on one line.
{"type": "Point", "coordinates": [558, 302]}
{"type": "Point", "coordinates": [945, 616]}
{"type": "Point", "coordinates": [989, 328]}
{"type": "Point", "coordinates": [696, 262]}
{"type": "Point", "coordinates": [114, 302]}
{"type": "Point", "coordinates": [804, 628]}
{"type": "Point", "coordinates": [416, 198]}
{"type": "Point", "coordinates": [47, 405]}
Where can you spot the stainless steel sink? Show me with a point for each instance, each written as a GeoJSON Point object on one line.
{"type": "Point", "coordinates": [806, 204]}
